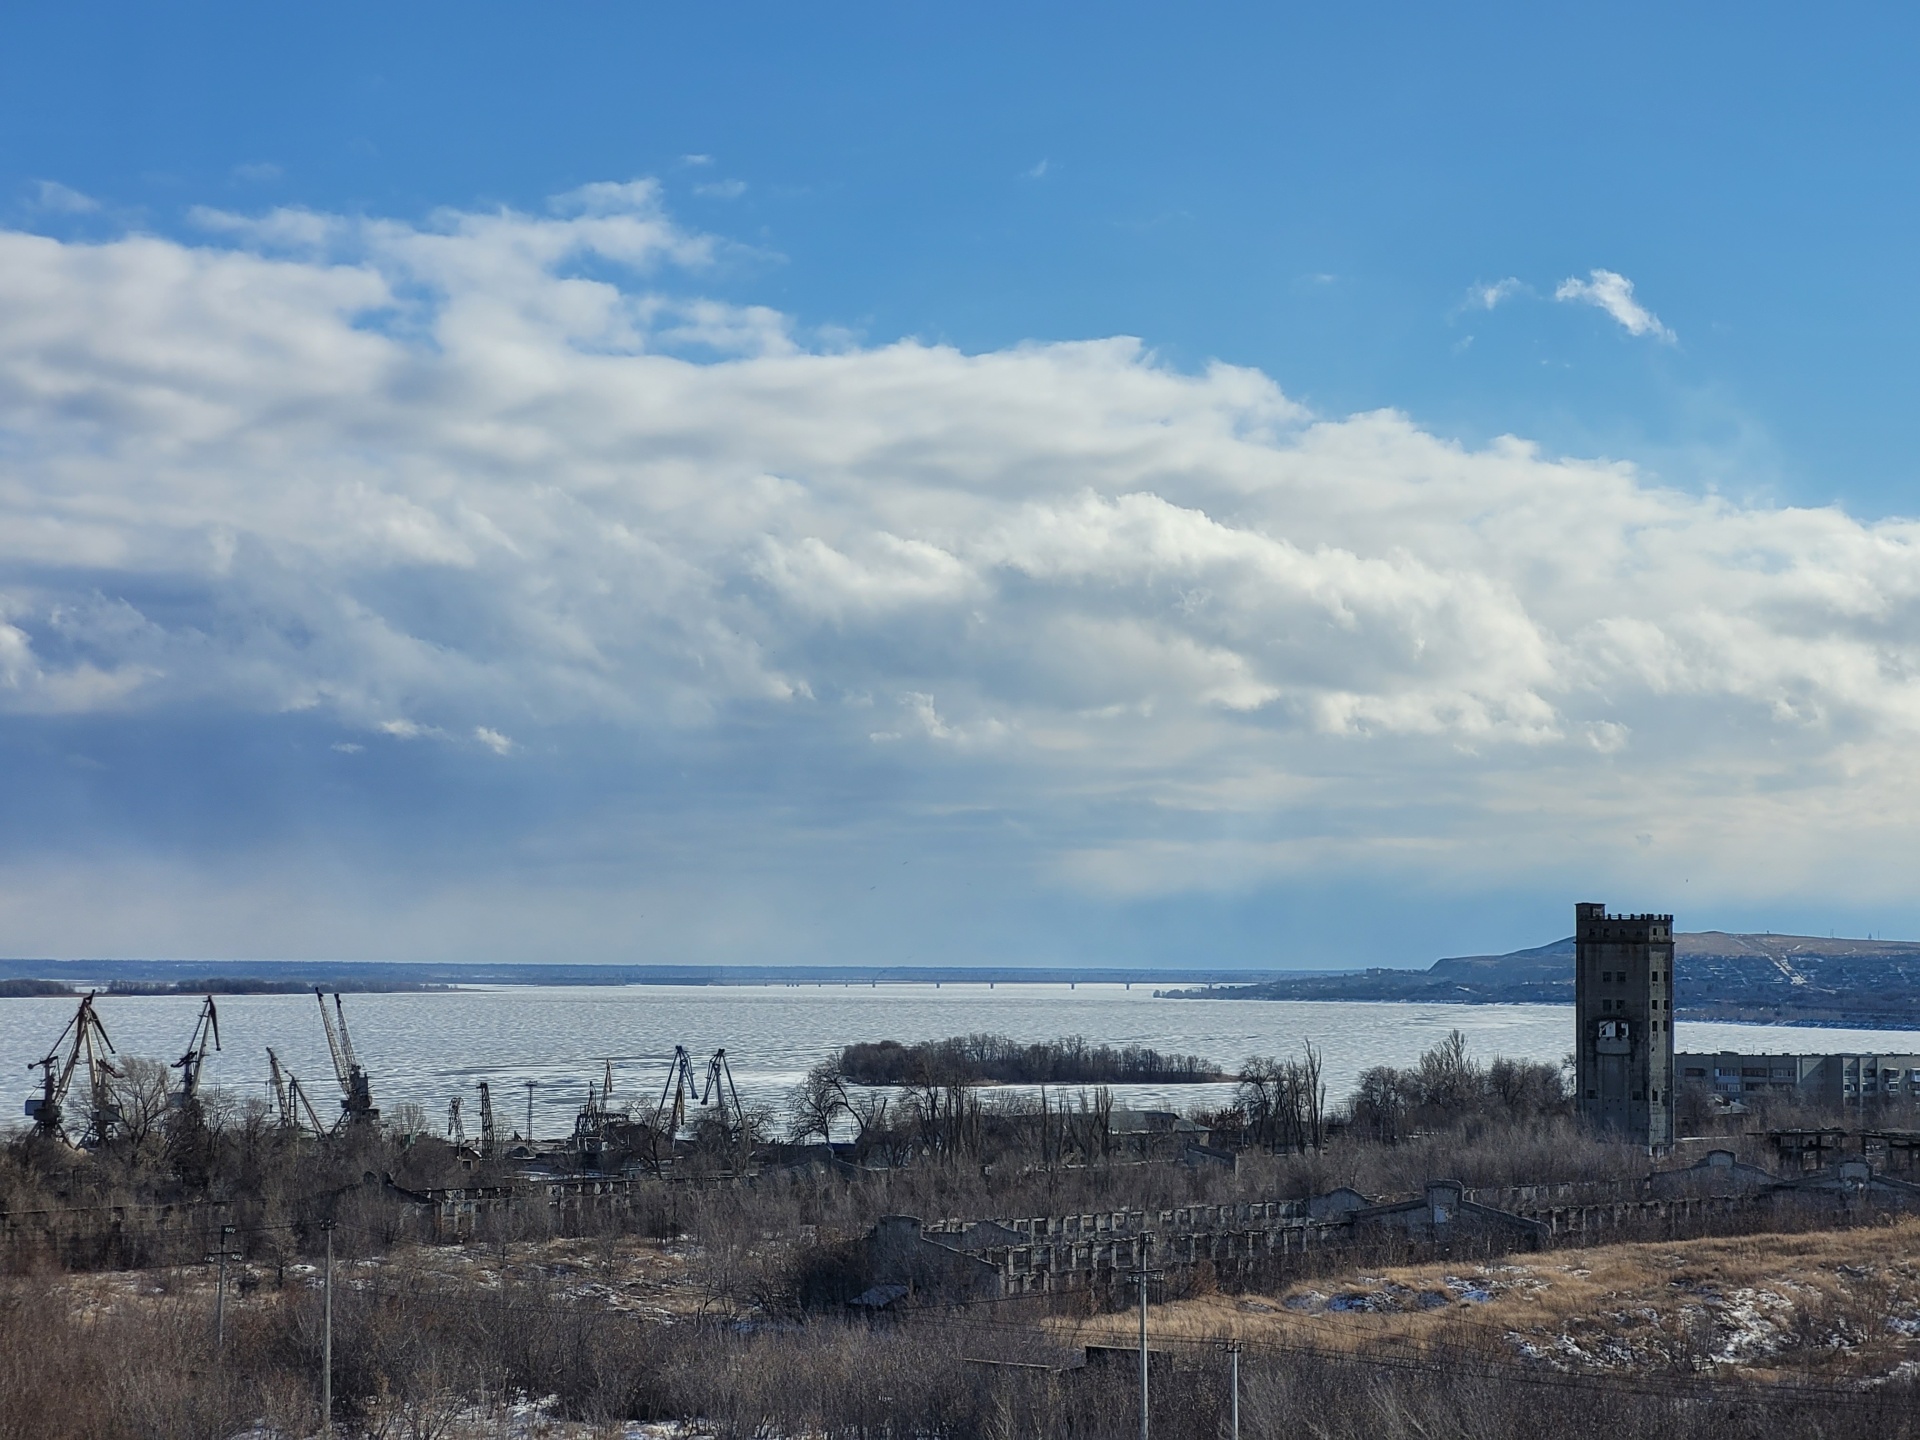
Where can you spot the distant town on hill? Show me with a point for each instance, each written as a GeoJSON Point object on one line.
{"type": "Point", "coordinates": [1779, 979]}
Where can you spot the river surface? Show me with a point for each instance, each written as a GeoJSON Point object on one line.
{"type": "Point", "coordinates": [427, 1048]}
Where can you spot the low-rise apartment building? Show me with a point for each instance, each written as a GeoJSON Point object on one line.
{"type": "Point", "coordinates": [1817, 1079]}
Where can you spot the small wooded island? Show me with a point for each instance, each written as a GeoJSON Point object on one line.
{"type": "Point", "coordinates": [996, 1059]}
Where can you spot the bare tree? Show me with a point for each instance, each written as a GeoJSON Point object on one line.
{"type": "Point", "coordinates": [139, 1097]}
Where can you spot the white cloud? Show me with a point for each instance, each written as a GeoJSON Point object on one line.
{"type": "Point", "coordinates": [1037, 171]}
{"type": "Point", "coordinates": [473, 469]}
{"type": "Point", "coordinates": [493, 740]}
{"type": "Point", "coordinates": [63, 199]}
{"type": "Point", "coordinates": [257, 173]}
{"type": "Point", "coordinates": [408, 729]}
{"type": "Point", "coordinates": [722, 189]}
{"type": "Point", "coordinates": [1486, 297]}
{"type": "Point", "coordinates": [1613, 293]}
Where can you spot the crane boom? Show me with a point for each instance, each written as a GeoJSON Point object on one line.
{"type": "Point", "coordinates": [346, 1040]}
{"type": "Point", "coordinates": [333, 1042]}
{"type": "Point", "coordinates": [282, 1101]}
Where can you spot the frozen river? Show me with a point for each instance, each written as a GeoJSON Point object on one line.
{"type": "Point", "coordinates": [426, 1048]}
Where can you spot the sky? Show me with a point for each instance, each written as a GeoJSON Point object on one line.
{"type": "Point", "coordinates": [1231, 486]}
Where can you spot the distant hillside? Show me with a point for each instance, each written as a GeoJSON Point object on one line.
{"type": "Point", "coordinates": [1784, 979]}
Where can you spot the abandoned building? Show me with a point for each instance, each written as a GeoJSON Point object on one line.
{"type": "Point", "coordinates": [1623, 991]}
{"type": "Point", "coordinates": [908, 1261]}
{"type": "Point", "coordinates": [1827, 1080]}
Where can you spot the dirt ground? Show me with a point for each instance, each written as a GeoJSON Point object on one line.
{"type": "Point", "coordinates": [1824, 1306]}
{"type": "Point", "coordinates": [628, 1275]}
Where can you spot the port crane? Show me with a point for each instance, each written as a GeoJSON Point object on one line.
{"type": "Point", "coordinates": [716, 1087]}
{"type": "Point", "coordinates": [206, 1031]}
{"type": "Point", "coordinates": [456, 1129]}
{"type": "Point", "coordinates": [91, 1047]}
{"type": "Point", "coordinates": [356, 1104]}
{"type": "Point", "coordinates": [681, 1083]}
{"type": "Point", "coordinates": [288, 1098]}
{"type": "Point", "coordinates": [720, 1086]}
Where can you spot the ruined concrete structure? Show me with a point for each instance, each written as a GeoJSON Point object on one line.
{"type": "Point", "coordinates": [1623, 988]}
{"type": "Point", "coordinates": [1829, 1080]}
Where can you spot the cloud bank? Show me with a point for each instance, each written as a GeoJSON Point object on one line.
{"type": "Point", "coordinates": [480, 486]}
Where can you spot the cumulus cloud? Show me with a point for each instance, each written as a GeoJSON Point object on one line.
{"type": "Point", "coordinates": [1613, 293]}
{"type": "Point", "coordinates": [497, 473]}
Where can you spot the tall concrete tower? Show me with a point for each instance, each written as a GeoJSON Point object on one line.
{"type": "Point", "coordinates": [1623, 988]}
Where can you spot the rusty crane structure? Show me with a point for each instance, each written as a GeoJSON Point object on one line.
{"type": "Point", "coordinates": [88, 1050]}
{"type": "Point", "coordinates": [356, 1093]}
{"type": "Point", "coordinates": [290, 1101]}
{"type": "Point", "coordinates": [206, 1031]}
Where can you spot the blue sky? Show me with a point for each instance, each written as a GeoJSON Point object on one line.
{"type": "Point", "coordinates": [640, 485]}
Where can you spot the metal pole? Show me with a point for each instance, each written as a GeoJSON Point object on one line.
{"type": "Point", "coordinates": [326, 1340]}
{"type": "Point", "coordinates": [220, 1295]}
{"type": "Point", "coordinates": [1144, 1244]}
{"type": "Point", "coordinates": [529, 1085]}
{"type": "Point", "coordinates": [1233, 1360]}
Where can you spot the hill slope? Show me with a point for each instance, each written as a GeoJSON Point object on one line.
{"type": "Point", "coordinates": [1785, 979]}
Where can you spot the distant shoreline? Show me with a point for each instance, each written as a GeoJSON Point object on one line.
{"type": "Point", "coordinates": [370, 974]}
{"type": "Point", "coordinates": [1534, 980]}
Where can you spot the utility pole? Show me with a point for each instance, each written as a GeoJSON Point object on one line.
{"type": "Point", "coordinates": [1144, 1415]}
{"type": "Point", "coordinates": [1233, 1363]}
{"type": "Point", "coordinates": [1142, 1276]}
{"type": "Point", "coordinates": [220, 1290]}
{"type": "Point", "coordinates": [326, 1339]}
{"type": "Point", "coordinates": [529, 1085]}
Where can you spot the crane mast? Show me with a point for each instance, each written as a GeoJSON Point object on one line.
{"type": "Point", "coordinates": [486, 1122]}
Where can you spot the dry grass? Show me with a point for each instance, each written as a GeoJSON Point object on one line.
{"type": "Point", "coordinates": [1824, 1305]}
